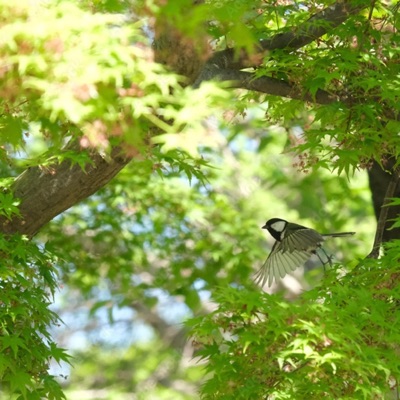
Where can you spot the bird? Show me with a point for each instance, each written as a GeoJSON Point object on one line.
{"type": "Point", "coordinates": [294, 245]}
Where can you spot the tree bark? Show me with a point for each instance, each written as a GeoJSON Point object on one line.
{"type": "Point", "coordinates": [45, 193]}
{"type": "Point", "coordinates": [379, 181]}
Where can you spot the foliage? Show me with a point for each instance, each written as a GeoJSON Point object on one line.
{"type": "Point", "coordinates": [180, 224]}
{"type": "Point", "coordinates": [339, 340]}
{"type": "Point", "coordinates": [96, 83]}
{"type": "Point", "coordinates": [186, 240]}
{"type": "Point", "coordinates": [28, 281]}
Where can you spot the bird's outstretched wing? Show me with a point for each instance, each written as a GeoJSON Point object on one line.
{"type": "Point", "coordinates": [279, 263]}
{"type": "Point", "coordinates": [287, 255]}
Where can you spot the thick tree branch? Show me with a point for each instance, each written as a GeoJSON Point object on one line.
{"type": "Point", "coordinates": [46, 193]}
{"type": "Point", "coordinates": [265, 84]}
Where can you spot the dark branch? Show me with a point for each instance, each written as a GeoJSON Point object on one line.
{"type": "Point", "coordinates": [379, 180]}
{"type": "Point", "coordinates": [265, 84]}
{"type": "Point", "coordinates": [383, 215]}
{"type": "Point", "coordinates": [315, 27]}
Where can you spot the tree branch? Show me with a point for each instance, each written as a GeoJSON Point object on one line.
{"type": "Point", "coordinates": [315, 27]}
{"type": "Point", "coordinates": [265, 84]}
{"type": "Point", "coordinates": [311, 30]}
{"type": "Point", "coordinates": [45, 194]}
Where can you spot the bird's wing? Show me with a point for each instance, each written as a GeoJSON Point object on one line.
{"type": "Point", "coordinates": [302, 239]}
{"type": "Point", "coordinates": [280, 262]}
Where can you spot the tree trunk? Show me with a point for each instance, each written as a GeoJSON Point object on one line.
{"type": "Point", "coordinates": [379, 180]}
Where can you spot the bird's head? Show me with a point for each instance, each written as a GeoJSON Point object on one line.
{"type": "Point", "coordinates": [275, 227]}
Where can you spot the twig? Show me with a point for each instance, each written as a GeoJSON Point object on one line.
{"type": "Point", "coordinates": [371, 10]}
{"type": "Point", "coordinates": [384, 214]}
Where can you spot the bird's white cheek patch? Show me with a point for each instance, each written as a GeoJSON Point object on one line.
{"type": "Point", "coordinates": [278, 226]}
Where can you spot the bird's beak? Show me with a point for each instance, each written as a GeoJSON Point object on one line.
{"type": "Point", "coordinates": [264, 227]}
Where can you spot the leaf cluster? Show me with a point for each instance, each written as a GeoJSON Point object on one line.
{"type": "Point", "coordinates": [27, 282]}
{"type": "Point", "coordinates": [96, 84]}
{"type": "Point", "coordinates": [338, 340]}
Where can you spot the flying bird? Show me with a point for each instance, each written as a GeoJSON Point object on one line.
{"type": "Point", "coordinates": [294, 245]}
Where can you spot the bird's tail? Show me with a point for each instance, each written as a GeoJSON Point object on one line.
{"type": "Point", "coordinates": [340, 234]}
